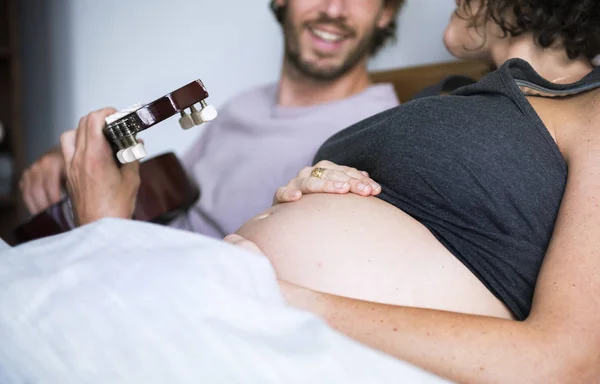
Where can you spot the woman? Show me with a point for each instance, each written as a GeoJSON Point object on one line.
{"type": "Point", "coordinates": [477, 222]}
{"type": "Point", "coordinates": [476, 195]}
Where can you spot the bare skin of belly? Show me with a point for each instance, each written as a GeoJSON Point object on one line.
{"type": "Point", "coordinates": [366, 249]}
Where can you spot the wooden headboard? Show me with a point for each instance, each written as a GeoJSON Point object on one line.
{"type": "Point", "coordinates": [409, 81]}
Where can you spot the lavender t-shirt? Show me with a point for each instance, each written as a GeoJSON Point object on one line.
{"type": "Point", "coordinates": [256, 146]}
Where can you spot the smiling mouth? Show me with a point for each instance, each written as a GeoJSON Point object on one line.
{"type": "Point", "coordinates": [329, 37]}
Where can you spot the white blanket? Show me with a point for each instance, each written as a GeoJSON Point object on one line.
{"type": "Point", "coordinates": [127, 302]}
{"type": "Point", "coordinates": [3, 245]}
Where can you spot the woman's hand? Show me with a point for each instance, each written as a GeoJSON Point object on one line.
{"type": "Point", "coordinates": [327, 177]}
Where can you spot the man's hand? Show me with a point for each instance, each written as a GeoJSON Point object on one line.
{"type": "Point", "coordinates": [42, 182]}
{"type": "Point", "coordinates": [97, 187]}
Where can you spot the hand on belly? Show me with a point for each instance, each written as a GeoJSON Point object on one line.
{"type": "Point", "coordinates": [364, 248]}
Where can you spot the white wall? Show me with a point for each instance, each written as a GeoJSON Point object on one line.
{"type": "Point", "coordinates": [118, 52]}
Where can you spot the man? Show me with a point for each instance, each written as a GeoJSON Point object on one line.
{"type": "Point", "coordinates": [264, 136]}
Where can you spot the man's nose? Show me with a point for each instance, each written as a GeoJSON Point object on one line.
{"type": "Point", "coordinates": [335, 8]}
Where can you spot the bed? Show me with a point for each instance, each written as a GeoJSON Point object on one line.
{"type": "Point", "coordinates": [409, 81]}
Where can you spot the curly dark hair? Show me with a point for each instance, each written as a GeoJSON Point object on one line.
{"type": "Point", "coordinates": [381, 36]}
{"type": "Point", "coordinates": [576, 23]}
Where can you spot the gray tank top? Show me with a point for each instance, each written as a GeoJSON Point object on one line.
{"type": "Point", "coordinates": [478, 168]}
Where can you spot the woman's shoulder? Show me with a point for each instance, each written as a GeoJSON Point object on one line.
{"type": "Point", "coordinates": [576, 121]}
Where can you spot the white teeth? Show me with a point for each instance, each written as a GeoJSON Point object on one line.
{"type": "Point", "coordinates": [327, 36]}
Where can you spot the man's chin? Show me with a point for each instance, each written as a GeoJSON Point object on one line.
{"type": "Point", "coordinates": [322, 72]}
{"type": "Point", "coordinates": [318, 68]}
{"type": "Point", "coordinates": [326, 73]}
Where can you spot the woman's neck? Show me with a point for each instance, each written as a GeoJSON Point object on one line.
{"type": "Point", "coordinates": [552, 64]}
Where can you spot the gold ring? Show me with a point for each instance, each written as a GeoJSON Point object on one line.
{"type": "Point", "coordinates": [317, 172]}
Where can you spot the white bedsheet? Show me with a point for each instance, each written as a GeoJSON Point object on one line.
{"type": "Point", "coordinates": [127, 302]}
{"type": "Point", "coordinates": [3, 245]}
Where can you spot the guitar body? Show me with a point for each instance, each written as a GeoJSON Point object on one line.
{"type": "Point", "coordinates": [165, 189]}
{"type": "Point", "coordinates": [165, 192]}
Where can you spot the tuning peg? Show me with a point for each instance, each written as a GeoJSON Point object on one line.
{"type": "Point", "coordinates": [196, 115]}
{"type": "Point", "coordinates": [139, 151]}
{"type": "Point", "coordinates": [120, 156]}
{"type": "Point", "coordinates": [208, 112]}
{"type": "Point", "coordinates": [186, 121]}
{"type": "Point", "coordinates": [131, 154]}
{"type": "Point", "coordinates": [128, 155]}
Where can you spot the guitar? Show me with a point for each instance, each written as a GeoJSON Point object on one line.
{"type": "Point", "coordinates": [165, 188]}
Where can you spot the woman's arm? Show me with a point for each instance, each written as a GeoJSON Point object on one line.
{"type": "Point", "coordinates": [559, 341]}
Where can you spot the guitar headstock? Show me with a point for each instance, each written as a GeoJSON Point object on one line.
{"type": "Point", "coordinates": [122, 127]}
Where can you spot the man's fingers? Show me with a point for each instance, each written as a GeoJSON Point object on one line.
{"type": "Point", "coordinates": [51, 186]}
{"type": "Point", "coordinates": [89, 136]}
{"type": "Point", "coordinates": [131, 173]}
{"type": "Point", "coordinates": [39, 198]}
{"type": "Point", "coordinates": [26, 192]}
{"type": "Point", "coordinates": [81, 134]}
{"type": "Point", "coordinates": [67, 145]}
{"type": "Point", "coordinates": [35, 197]}
{"type": "Point", "coordinates": [97, 121]}
{"type": "Point", "coordinates": [96, 144]}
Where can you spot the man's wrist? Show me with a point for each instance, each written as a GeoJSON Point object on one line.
{"type": "Point", "coordinates": [90, 217]}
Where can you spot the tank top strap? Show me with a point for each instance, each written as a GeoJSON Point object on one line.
{"type": "Point", "coordinates": [532, 84]}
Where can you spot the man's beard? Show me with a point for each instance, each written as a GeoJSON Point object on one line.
{"type": "Point", "coordinates": [294, 56]}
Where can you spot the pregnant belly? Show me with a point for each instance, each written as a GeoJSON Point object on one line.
{"type": "Point", "coordinates": [366, 249]}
